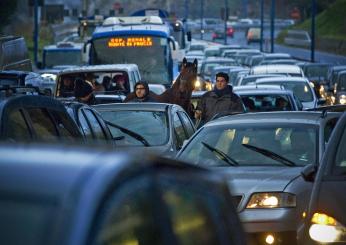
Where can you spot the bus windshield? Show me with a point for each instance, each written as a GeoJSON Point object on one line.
{"type": "Point", "coordinates": [148, 52]}
{"type": "Point", "coordinates": [62, 57]}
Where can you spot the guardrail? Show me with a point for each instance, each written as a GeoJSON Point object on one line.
{"type": "Point", "coordinates": [298, 38]}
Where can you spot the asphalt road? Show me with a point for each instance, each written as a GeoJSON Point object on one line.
{"type": "Point", "coordinates": [298, 53]}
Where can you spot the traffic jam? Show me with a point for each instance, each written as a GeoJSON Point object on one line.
{"type": "Point", "coordinates": [141, 129]}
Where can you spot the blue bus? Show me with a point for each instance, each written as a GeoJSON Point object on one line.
{"type": "Point", "coordinates": [142, 40]}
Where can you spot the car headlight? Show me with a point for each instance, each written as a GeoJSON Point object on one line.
{"type": "Point", "coordinates": [197, 83]}
{"type": "Point", "coordinates": [326, 229]}
{"type": "Point", "coordinates": [272, 200]}
{"type": "Point", "coordinates": [342, 99]}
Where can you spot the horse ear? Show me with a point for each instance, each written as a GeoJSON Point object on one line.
{"type": "Point", "coordinates": [184, 61]}
{"type": "Point", "coordinates": [195, 63]}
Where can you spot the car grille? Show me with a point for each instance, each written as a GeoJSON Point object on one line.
{"type": "Point", "coordinates": [236, 200]}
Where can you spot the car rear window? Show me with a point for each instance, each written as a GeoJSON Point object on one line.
{"type": "Point", "coordinates": [26, 222]}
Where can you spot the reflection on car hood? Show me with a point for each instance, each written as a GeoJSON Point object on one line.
{"type": "Point", "coordinates": [308, 105]}
{"type": "Point", "coordinates": [247, 180]}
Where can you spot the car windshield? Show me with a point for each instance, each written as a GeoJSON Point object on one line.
{"type": "Point", "coordinates": [300, 89]}
{"type": "Point", "coordinates": [342, 83]}
{"type": "Point", "coordinates": [295, 142]}
{"type": "Point", "coordinates": [316, 71]}
{"type": "Point", "coordinates": [151, 125]}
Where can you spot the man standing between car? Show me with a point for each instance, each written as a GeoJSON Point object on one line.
{"type": "Point", "coordinates": [220, 100]}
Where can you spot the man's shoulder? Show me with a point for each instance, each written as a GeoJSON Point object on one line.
{"type": "Point", "coordinates": [210, 93]}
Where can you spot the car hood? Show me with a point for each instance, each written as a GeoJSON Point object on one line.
{"type": "Point", "coordinates": [247, 180]}
{"type": "Point", "coordinates": [309, 105]}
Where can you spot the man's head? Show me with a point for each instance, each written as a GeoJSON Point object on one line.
{"type": "Point", "coordinates": [141, 89]}
{"type": "Point", "coordinates": [67, 81]}
{"type": "Point", "coordinates": [221, 80]}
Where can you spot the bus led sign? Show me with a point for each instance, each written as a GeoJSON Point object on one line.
{"type": "Point", "coordinates": [130, 42]}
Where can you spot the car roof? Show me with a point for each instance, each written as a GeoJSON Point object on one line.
{"type": "Point", "coordinates": [99, 68]}
{"type": "Point", "coordinates": [257, 87]}
{"type": "Point", "coordinates": [280, 117]}
{"type": "Point", "coordinates": [147, 106]}
{"type": "Point", "coordinates": [283, 79]}
{"type": "Point", "coordinates": [217, 59]}
{"type": "Point", "coordinates": [276, 68]}
{"type": "Point", "coordinates": [196, 94]}
{"type": "Point", "coordinates": [58, 171]}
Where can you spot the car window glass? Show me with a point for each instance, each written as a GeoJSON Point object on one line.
{"type": "Point", "coordinates": [66, 130]}
{"type": "Point", "coordinates": [294, 142]}
{"type": "Point", "coordinates": [341, 154]}
{"type": "Point", "coordinates": [187, 123]}
{"type": "Point", "coordinates": [328, 129]}
{"type": "Point", "coordinates": [16, 127]}
{"type": "Point", "coordinates": [85, 126]}
{"type": "Point", "coordinates": [43, 125]}
{"type": "Point", "coordinates": [191, 213]}
{"type": "Point", "coordinates": [150, 125]}
{"type": "Point", "coordinates": [25, 220]}
{"type": "Point", "coordinates": [128, 217]}
{"type": "Point", "coordinates": [95, 125]}
{"type": "Point", "coordinates": [179, 130]}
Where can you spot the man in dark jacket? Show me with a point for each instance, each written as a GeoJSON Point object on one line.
{"type": "Point", "coordinates": [83, 91]}
{"type": "Point", "coordinates": [141, 94]}
{"type": "Point", "coordinates": [220, 100]}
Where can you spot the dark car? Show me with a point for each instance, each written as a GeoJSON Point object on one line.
{"type": "Point", "coordinates": [90, 123]}
{"type": "Point", "coordinates": [157, 126]}
{"type": "Point", "coordinates": [35, 118]}
{"type": "Point", "coordinates": [326, 220]}
{"type": "Point", "coordinates": [263, 154]}
{"type": "Point", "coordinates": [86, 196]}
{"type": "Point", "coordinates": [26, 78]}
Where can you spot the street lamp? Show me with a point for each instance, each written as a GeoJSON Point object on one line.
{"type": "Point", "coordinates": [202, 30]}
{"type": "Point", "coordinates": [313, 29]}
{"type": "Point", "coordinates": [226, 18]}
{"type": "Point", "coordinates": [262, 24]}
{"type": "Point", "coordinates": [35, 31]}
{"type": "Point", "coordinates": [272, 26]}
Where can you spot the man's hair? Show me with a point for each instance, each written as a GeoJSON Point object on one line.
{"type": "Point", "coordinates": [224, 75]}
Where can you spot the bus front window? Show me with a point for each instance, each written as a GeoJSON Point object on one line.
{"type": "Point", "coordinates": [149, 53]}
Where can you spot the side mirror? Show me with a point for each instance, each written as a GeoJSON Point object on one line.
{"type": "Point", "coordinates": [309, 172]}
{"type": "Point", "coordinates": [189, 36]}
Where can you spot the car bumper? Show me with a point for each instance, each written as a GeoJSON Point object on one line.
{"type": "Point", "coordinates": [279, 222]}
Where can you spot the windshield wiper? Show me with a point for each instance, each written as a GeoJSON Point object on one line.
{"type": "Point", "coordinates": [271, 155]}
{"type": "Point", "coordinates": [130, 133]}
{"type": "Point", "coordinates": [221, 154]}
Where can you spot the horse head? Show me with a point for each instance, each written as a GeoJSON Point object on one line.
{"type": "Point", "coordinates": [187, 76]}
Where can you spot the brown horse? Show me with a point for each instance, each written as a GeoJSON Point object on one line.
{"type": "Point", "coordinates": [181, 90]}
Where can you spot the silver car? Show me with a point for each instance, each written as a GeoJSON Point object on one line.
{"type": "Point", "coordinates": [300, 86]}
{"type": "Point", "coordinates": [262, 154]}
